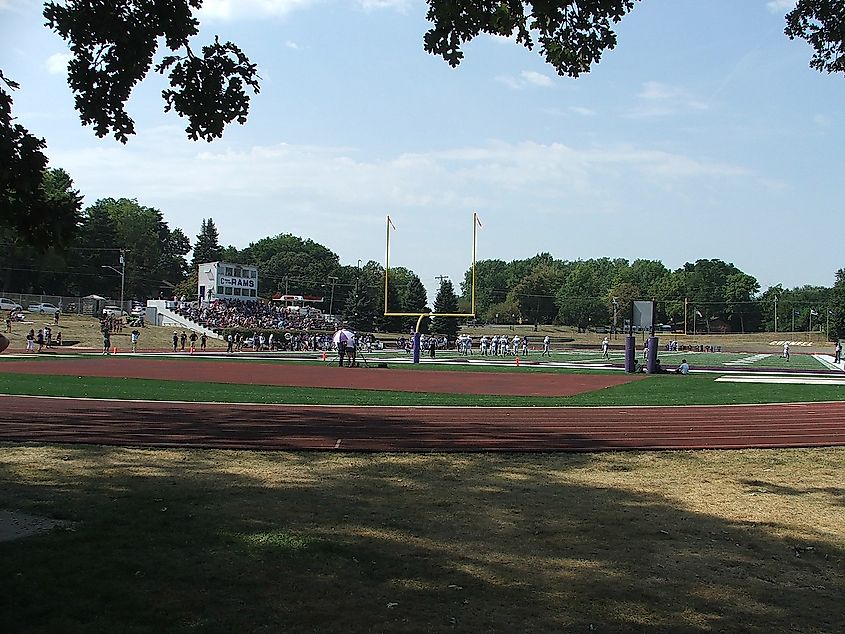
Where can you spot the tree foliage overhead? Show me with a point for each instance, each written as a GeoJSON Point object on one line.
{"type": "Point", "coordinates": [572, 34]}
{"type": "Point", "coordinates": [822, 24]}
{"type": "Point", "coordinates": [40, 205]}
{"type": "Point", "coordinates": [113, 43]}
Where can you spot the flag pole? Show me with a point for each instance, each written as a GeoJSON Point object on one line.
{"type": "Point", "coordinates": [386, 263]}
{"type": "Point", "coordinates": [474, 234]}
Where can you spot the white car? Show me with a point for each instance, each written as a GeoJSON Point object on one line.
{"type": "Point", "coordinates": [43, 309]}
{"type": "Point", "coordinates": [137, 311]}
{"type": "Point", "coordinates": [113, 311]}
{"type": "Point", "coordinates": [8, 304]}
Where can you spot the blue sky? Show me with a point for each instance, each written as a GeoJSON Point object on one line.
{"type": "Point", "coordinates": [704, 134]}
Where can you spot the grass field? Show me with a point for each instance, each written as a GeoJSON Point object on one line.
{"type": "Point", "coordinates": [653, 390]}
{"type": "Point", "coordinates": [214, 541]}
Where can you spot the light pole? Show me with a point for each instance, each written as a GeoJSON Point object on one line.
{"type": "Point", "coordinates": [776, 313]}
{"type": "Point", "coordinates": [122, 273]}
{"type": "Point", "coordinates": [333, 280]}
{"type": "Point", "coordinates": [615, 302]}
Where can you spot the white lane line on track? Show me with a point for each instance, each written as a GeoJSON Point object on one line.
{"type": "Point", "coordinates": [455, 407]}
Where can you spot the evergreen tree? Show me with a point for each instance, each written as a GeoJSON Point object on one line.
{"type": "Point", "coordinates": [360, 311]}
{"type": "Point", "coordinates": [415, 300]}
{"type": "Point", "coordinates": [445, 302]}
{"type": "Point", "coordinates": [837, 307]}
{"type": "Point", "coordinates": [207, 247]}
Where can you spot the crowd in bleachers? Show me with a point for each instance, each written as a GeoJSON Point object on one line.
{"type": "Point", "coordinates": [222, 315]}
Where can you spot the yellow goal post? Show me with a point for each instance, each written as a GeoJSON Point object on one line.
{"type": "Point", "coordinates": [476, 223]}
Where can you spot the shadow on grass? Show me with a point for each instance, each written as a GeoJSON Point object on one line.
{"type": "Point", "coordinates": [215, 541]}
{"type": "Point", "coordinates": [837, 494]}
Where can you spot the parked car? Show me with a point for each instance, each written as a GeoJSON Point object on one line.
{"type": "Point", "coordinates": [113, 311]}
{"type": "Point", "coordinates": [43, 309]}
{"type": "Point", "coordinates": [8, 304]}
{"type": "Point", "coordinates": [137, 311]}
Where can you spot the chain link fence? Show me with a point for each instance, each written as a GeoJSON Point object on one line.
{"type": "Point", "coordinates": [90, 305]}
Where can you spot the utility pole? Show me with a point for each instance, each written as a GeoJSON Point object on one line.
{"type": "Point", "coordinates": [440, 278]}
{"type": "Point", "coordinates": [122, 278]}
{"type": "Point", "coordinates": [122, 272]}
{"type": "Point", "coordinates": [615, 302]}
{"type": "Point", "coordinates": [776, 313]}
{"type": "Point", "coordinates": [333, 280]}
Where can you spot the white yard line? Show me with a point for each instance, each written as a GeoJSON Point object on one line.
{"type": "Point", "coordinates": [791, 380]}
{"type": "Point", "coordinates": [747, 360]}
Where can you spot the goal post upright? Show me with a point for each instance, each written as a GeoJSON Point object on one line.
{"type": "Point", "coordinates": [476, 223]}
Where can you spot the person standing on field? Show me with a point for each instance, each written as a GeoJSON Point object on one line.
{"type": "Point", "coordinates": [133, 338]}
{"type": "Point", "coordinates": [605, 346]}
{"type": "Point", "coordinates": [786, 350]}
{"type": "Point", "coordinates": [203, 341]}
{"type": "Point", "coordinates": [547, 346]}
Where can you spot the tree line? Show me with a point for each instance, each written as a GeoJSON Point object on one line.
{"type": "Point", "coordinates": [705, 296]}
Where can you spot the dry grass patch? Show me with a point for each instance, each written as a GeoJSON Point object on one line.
{"type": "Point", "coordinates": [214, 541]}
{"type": "Point", "coordinates": [86, 331]}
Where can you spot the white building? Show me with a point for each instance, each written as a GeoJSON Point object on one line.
{"type": "Point", "coordinates": [224, 280]}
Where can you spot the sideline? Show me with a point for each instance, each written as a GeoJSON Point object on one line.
{"type": "Point", "coordinates": [623, 408]}
{"type": "Point", "coordinates": [782, 380]}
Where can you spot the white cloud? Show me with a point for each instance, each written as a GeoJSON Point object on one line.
{"type": "Point", "coordinates": [823, 121]}
{"type": "Point", "coordinates": [584, 112]}
{"type": "Point", "coordinates": [234, 9]}
{"type": "Point", "coordinates": [399, 5]}
{"type": "Point", "coordinates": [526, 78]}
{"type": "Point", "coordinates": [538, 79]}
{"type": "Point", "coordinates": [657, 99]}
{"type": "Point", "coordinates": [56, 64]}
{"type": "Point", "coordinates": [253, 9]}
{"type": "Point", "coordinates": [292, 45]}
{"type": "Point", "coordinates": [20, 6]}
{"type": "Point", "coordinates": [780, 6]}
{"type": "Point", "coordinates": [327, 180]}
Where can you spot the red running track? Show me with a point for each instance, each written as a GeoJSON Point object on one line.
{"type": "Point", "coordinates": [286, 427]}
{"type": "Point", "coordinates": [245, 372]}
